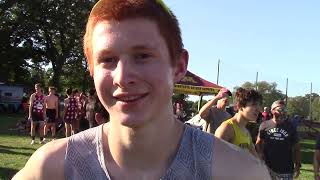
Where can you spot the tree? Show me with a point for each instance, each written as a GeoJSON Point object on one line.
{"type": "Point", "coordinates": [316, 108]}
{"type": "Point", "coordinates": [269, 91]}
{"type": "Point", "coordinates": [14, 68]}
{"type": "Point", "coordinates": [45, 33]}
{"type": "Point", "coordinates": [298, 105]}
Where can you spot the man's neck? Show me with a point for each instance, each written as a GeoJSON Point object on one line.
{"type": "Point", "coordinates": [276, 120]}
{"type": "Point", "coordinates": [241, 120]}
{"type": "Point", "coordinates": [148, 148]}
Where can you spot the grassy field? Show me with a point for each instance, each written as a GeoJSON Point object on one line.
{"type": "Point", "coordinates": [15, 149]}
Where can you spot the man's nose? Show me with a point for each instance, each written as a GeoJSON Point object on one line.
{"type": "Point", "coordinates": [123, 74]}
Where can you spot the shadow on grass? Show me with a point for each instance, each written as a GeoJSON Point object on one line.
{"type": "Point", "coordinates": [7, 173]}
{"type": "Point", "coordinates": [308, 170]}
{"type": "Point", "coordinates": [6, 151]}
{"type": "Point", "coordinates": [307, 151]}
{"type": "Point", "coordinates": [12, 147]}
{"type": "Point", "coordinates": [307, 145]}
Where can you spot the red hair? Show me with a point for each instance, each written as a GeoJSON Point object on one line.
{"type": "Point", "coordinates": [118, 10]}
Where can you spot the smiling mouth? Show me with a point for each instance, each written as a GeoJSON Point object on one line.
{"type": "Point", "coordinates": [130, 98]}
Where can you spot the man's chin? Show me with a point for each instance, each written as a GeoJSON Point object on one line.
{"type": "Point", "coordinates": [132, 122]}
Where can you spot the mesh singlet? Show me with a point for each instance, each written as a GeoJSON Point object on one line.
{"type": "Point", "coordinates": [38, 104]}
{"type": "Point", "coordinates": [84, 157]}
{"type": "Point", "coordinates": [71, 110]}
{"type": "Point", "coordinates": [37, 108]}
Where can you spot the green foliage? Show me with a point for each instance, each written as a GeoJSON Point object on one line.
{"type": "Point", "coordinates": [316, 108]}
{"type": "Point", "coordinates": [39, 36]}
{"type": "Point", "coordinates": [300, 105]}
{"type": "Point", "coordinates": [195, 105]}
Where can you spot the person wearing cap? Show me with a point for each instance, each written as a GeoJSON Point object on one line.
{"type": "Point", "coordinates": [233, 130]}
{"type": "Point", "coordinates": [278, 144]}
{"type": "Point", "coordinates": [135, 55]}
{"type": "Point", "coordinates": [214, 111]}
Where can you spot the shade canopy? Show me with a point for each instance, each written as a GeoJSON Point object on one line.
{"type": "Point", "coordinates": [195, 85]}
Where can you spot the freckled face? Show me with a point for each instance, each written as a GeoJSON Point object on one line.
{"type": "Point", "coordinates": [132, 71]}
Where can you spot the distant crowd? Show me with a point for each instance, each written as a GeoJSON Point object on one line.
{"type": "Point", "coordinates": [79, 112]}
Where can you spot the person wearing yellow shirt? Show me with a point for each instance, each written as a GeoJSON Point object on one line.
{"type": "Point", "coordinates": [233, 130]}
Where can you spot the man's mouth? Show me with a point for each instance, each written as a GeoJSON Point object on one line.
{"type": "Point", "coordinates": [130, 98]}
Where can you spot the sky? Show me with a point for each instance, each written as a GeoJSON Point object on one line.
{"type": "Point", "coordinates": [277, 39]}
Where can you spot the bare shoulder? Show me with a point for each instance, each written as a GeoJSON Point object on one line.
{"type": "Point", "coordinates": [225, 131]}
{"type": "Point", "coordinates": [32, 96]}
{"type": "Point", "coordinates": [231, 162]}
{"type": "Point", "coordinates": [46, 163]}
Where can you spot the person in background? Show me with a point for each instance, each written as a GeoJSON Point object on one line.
{"type": "Point", "coordinates": [70, 111]}
{"type": "Point", "coordinates": [278, 144]}
{"type": "Point", "coordinates": [266, 114]}
{"type": "Point", "coordinates": [214, 111]}
{"type": "Point", "coordinates": [135, 55]}
{"type": "Point", "coordinates": [76, 124]}
{"type": "Point", "coordinates": [179, 107]}
{"type": "Point", "coordinates": [233, 130]}
{"type": "Point", "coordinates": [296, 121]}
{"type": "Point", "coordinates": [51, 103]}
{"type": "Point", "coordinates": [81, 114]}
{"type": "Point", "coordinates": [90, 108]}
{"type": "Point", "coordinates": [37, 113]}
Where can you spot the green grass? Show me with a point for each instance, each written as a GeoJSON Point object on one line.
{"type": "Point", "coordinates": [307, 150]}
{"type": "Point", "coordinates": [15, 149]}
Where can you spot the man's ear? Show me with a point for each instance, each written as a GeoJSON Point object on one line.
{"type": "Point", "coordinates": [181, 66]}
{"type": "Point", "coordinates": [237, 107]}
{"type": "Point", "coordinates": [99, 119]}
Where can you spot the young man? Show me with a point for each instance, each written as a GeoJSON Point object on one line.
{"type": "Point", "coordinates": [70, 113]}
{"type": "Point", "coordinates": [135, 53]}
{"type": "Point", "coordinates": [276, 143]}
{"type": "Point", "coordinates": [214, 111]}
{"type": "Point", "coordinates": [234, 130]}
{"type": "Point", "coordinates": [37, 113]}
{"type": "Point", "coordinates": [51, 103]}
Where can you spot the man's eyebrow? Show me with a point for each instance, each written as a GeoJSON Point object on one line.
{"type": "Point", "coordinates": [143, 47]}
{"type": "Point", "coordinates": [103, 52]}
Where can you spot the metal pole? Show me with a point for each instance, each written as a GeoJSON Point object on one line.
{"type": "Point", "coordinates": [310, 111]}
{"type": "Point", "coordinates": [287, 92]}
{"type": "Point", "coordinates": [218, 72]}
{"type": "Point", "coordinates": [257, 81]}
{"type": "Point", "coordinates": [199, 102]}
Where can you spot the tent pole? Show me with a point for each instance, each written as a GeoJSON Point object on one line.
{"type": "Point", "coordinates": [199, 102]}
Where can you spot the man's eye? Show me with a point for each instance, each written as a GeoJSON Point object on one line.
{"type": "Point", "coordinates": [107, 60]}
{"type": "Point", "coordinates": [142, 56]}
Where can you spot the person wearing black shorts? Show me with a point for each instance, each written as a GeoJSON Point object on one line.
{"type": "Point", "coordinates": [37, 113]}
{"type": "Point", "coordinates": [52, 112]}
